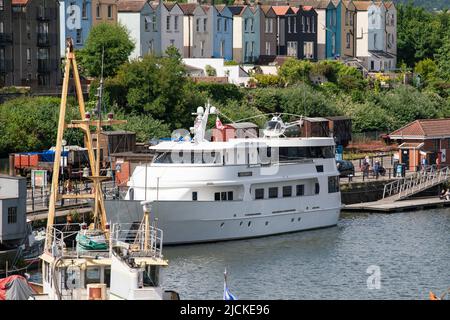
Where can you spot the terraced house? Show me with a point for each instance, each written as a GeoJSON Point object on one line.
{"type": "Point", "coordinates": [280, 12]}
{"type": "Point", "coordinates": [348, 12]}
{"type": "Point", "coordinates": [171, 17]}
{"type": "Point", "coordinates": [268, 31]}
{"type": "Point", "coordinates": [246, 33]}
{"type": "Point", "coordinates": [301, 32]}
{"type": "Point", "coordinates": [35, 43]}
{"type": "Point", "coordinates": [222, 35]}
{"type": "Point", "coordinates": [138, 17]}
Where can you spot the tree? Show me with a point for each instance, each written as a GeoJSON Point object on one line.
{"type": "Point", "coordinates": [30, 124]}
{"type": "Point", "coordinates": [114, 41]}
{"type": "Point", "coordinates": [427, 69]}
{"type": "Point", "coordinates": [145, 127]}
{"type": "Point", "coordinates": [443, 60]}
{"type": "Point", "coordinates": [295, 71]}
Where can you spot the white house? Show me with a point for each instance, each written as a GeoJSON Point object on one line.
{"type": "Point", "coordinates": [371, 36]}
{"type": "Point", "coordinates": [236, 74]}
{"type": "Point", "coordinates": [171, 26]}
{"type": "Point", "coordinates": [136, 16]}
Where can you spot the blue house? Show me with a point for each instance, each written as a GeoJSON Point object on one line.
{"type": "Point", "coordinates": [251, 33]}
{"type": "Point", "coordinates": [334, 29]}
{"type": "Point", "coordinates": [222, 32]}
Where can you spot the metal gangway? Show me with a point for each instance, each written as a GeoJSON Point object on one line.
{"type": "Point", "coordinates": [415, 183]}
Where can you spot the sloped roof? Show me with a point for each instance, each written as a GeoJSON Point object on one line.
{"type": "Point", "coordinates": [389, 4]}
{"type": "Point", "coordinates": [188, 8]}
{"type": "Point", "coordinates": [20, 2]}
{"type": "Point", "coordinates": [236, 10]}
{"type": "Point", "coordinates": [295, 9]}
{"type": "Point", "coordinates": [169, 5]}
{"type": "Point", "coordinates": [362, 5]}
{"type": "Point", "coordinates": [317, 4]}
{"type": "Point", "coordinates": [280, 10]}
{"type": "Point", "coordinates": [130, 6]}
{"type": "Point", "coordinates": [424, 128]}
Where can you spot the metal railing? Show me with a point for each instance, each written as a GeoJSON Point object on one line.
{"type": "Point", "coordinates": [141, 242]}
{"type": "Point", "coordinates": [420, 181]}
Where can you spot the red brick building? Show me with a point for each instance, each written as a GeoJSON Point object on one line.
{"type": "Point", "coordinates": [423, 139]}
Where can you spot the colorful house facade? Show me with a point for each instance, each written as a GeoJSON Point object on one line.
{"type": "Point", "coordinates": [268, 31]}
{"type": "Point", "coordinates": [222, 35]}
{"type": "Point", "coordinates": [171, 17]}
{"type": "Point", "coordinates": [333, 30]}
{"type": "Point", "coordinates": [301, 32]}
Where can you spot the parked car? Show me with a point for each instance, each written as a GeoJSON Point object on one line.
{"type": "Point", "coordinates": [345, 168]}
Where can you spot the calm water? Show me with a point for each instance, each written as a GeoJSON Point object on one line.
{"type": "Point", "coordinates": [411, 249]}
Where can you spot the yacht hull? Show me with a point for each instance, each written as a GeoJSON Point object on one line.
{"type": "Point", "coordinates": [195, 222]}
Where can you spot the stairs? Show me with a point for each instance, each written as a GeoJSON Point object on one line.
{"type": "Point", "coordinates": [418, 182]}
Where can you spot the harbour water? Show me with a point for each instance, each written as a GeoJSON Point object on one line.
{"type": "Point", "coordinates": [411, 250]}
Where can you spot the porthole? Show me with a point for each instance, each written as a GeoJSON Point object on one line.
{"type": "Point", "coordinates": [267, 223]}
{"type": "Point", "coordinates": [241, 223]}
{"type": "Point", "coordinates": [298, 219]}
{"type": "Point", "coordinates": [249, 223]}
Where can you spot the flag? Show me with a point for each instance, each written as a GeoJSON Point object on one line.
{"type": "Point", "coordinates": [219, 124]}
{"type": "Point", "coordinates": [227, 295]}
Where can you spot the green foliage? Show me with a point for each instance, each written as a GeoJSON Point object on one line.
{"type": "Point", "coordinates": [30, 124]}
{"type": "Point", "coordinates": [295, 71]}
{"type": "Point", "coordinates": [221, 93]}
{"type": "Point", "coordinates": [114, 40]}
{"type": "Point", "coordinates": [427, 69]}
{"type": "Point", "coordinates": [443, 59]}
{"type": "Point", "coordinates": [210, 71]}
{"type": "Point", "coordinates": [144, 125]}
{"type": "Point", "coordinates": [267, 80]}
{"type": "Point", "coordinates": [230, 63]}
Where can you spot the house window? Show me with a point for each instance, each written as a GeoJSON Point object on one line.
{"type": "Point", "coordinates": [295, 24]}
{"type": "Point", "coordinates": [219, 22]}
{"type": "Point", "coordinates": [1, 27]}
{"type": "Point", "coordinates": [150, 47]}
{"type": "Point", "coordinates": [28, 55]}
{"type": "Point", "coordinates": [269, 25]}
{"type": "Point", "coordinates": [176, 23]}
{"type": "Point", "coordinates": [308, 49]}
{"type": "Point", "coordinates": [308, 24]}
{"type": "Point", "coordinates": [375, 40]}
{"type": "Point", "coordinates": [79, 39]}
{"type": "Point", "coordinates": [1, 5]}
{"type": "Point", "coordinates": [372, 65]}
{"type": "Point", "coordinates": [168, 23]}
{"type": "Point", "coordinates": [312, 25]}
{"type": "Point", "coordinates": [222, 48]}
{"type": "Point", "coordinates": [202, 48]}
{"type": "Point", "coordinates": [351, 18]}
{"type": "Point", "coordinates": [194, 196]}
{"type": "Point", "coordinates": [246, 25]}
{"type": "Point", "coordinates": [84, 10]}
{"type": "Point", "coordinates": [292, 48]}
{"type": "Point", "coordinates": [147, 22]}
{"type": "Point", "coordinates": [303, 24]}
{"type": "Point", "coordinates": [205, 23]}
{"type": "Point", "coordinates": [287, 191]}
{"type": "Point", "coordinates": [273, 192]}
{"type": "Point", "coordinates": [259, 194]}
{"type": "Point", "coordinates": [225, 25]}
{"type": "Point", "coordinates": [253, 49]}
{"type": "Point", "coordinates": [347, 40]}
{"type": "Point", "coordinates": [197, 25]}
{"type": "Point", "coordinates": [333, 184]}
{"type": "Point", "coordinates": [300, 189]}
{"type": "Point", "coordinates": [267, 48]}
{"type": "Point", "coordinates": [154, 24]}
{"type": "Point", "coordinates": [251, 25]}
{"type": "Point", "coordinates": [12, 215]}
{"type": "Point", "coordinates": [98, 11]}
{"type": "Point", "coordinates": [110, 12]}
{"type": "Point", "coordinates": [289, 24]}
{"type": "Point", "coordinates": [333, 44]}
{"type": "Point", "coordinates": [346, 17]}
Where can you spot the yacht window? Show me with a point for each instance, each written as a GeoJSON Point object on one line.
{"type": "Point", "coordinates": [217, 196]}
{"type": "Point", "coordinates": [300, 189]}
{"type": "Point", "coordinates": [259, 193]}
{"type": "Point", "coordinates": [194, 196]}
{"type": "Point", "coordinates": [333, 184]}
{"type": "Point", "coordinates": [273, 192]}
{"type": "Point", "coordinates": [317, 188]}
{"type": "Point", "coordinates": [296, 153]}
{"type": "Point", "coordinates": [107, 276]}
{"type": "Point", "coordinates": [92, 275]}
{"type": "Point", "coordinates": [319, 168]}
{"type": "Point", "coordinates": [287, 191]}
{"type": "Point", "coordinates": [162, 157]}
{"type": "Point", "coordinates": [230, 195]}
{"type": "Point", "coordinates": [223, 196]}
{"type": "Point", "coordinates": [131, 194]}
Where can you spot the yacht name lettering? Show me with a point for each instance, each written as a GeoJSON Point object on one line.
{"type": "Point", "coordinates": [193, 310]}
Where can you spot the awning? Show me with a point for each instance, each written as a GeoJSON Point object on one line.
{"type": "Point", "coordinates": [411, 145]}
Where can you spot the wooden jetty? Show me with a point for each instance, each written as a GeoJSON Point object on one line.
{"type": "Point", "coordinates": [386, 206]}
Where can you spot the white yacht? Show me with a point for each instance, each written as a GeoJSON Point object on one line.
{"type": "Point", "coordinates": [206, 190]}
